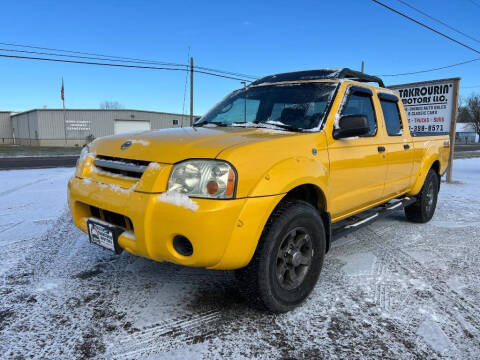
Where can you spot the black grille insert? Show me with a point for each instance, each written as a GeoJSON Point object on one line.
{"type": "Point", "coordinates": [112, 218]}
{"type": "Point", "coordinates": [120, 166]}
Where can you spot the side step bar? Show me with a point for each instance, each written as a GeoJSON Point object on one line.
{"type": "Point", "coordinates": [356, 222]}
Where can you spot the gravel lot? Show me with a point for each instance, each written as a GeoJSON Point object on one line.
{"type": "Point", "coordinates": [390, 290]}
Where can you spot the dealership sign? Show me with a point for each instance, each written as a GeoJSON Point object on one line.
{"type": "Point", "coordinates": [429, 105]}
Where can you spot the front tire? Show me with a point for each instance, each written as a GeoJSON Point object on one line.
{"type": "Point", "coordinates": [288, 259]}
{"type": "Point", "coordinates": [423, 209]}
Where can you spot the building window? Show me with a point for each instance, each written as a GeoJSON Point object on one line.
{"type": "Point", "coordinates": [175, 122]}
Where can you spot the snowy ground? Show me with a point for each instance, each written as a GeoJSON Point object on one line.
{"type": "Point", "coordinates": [391, 290]}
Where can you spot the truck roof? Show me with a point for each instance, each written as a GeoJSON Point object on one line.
{"type": "Point", "coordinates": [319, 74]}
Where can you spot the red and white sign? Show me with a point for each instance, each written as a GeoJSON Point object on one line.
{"type": "Point", "coordinates": [428, 105]}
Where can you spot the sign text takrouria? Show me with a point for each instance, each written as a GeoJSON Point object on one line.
{"type": "Point", "coordinates": [428, 105]}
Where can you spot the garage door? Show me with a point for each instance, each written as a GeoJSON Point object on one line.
{"type": "Point", "coordinates": [125, 126]}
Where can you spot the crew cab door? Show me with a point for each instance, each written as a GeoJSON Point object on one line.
{"type": "Point", "coordinates": [357, 165]}
{"type": "Point", "coordinates": [399, 146]}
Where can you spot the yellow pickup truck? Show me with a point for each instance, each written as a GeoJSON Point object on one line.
{"type": "Point", "coordinates": [263, 183]}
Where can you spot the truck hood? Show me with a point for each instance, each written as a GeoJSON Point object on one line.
{"type": "Point", "coordinates": [177, 144]}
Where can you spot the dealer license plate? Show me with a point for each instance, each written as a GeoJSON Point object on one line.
{"type": "Point", "coordinates": [104, 235]}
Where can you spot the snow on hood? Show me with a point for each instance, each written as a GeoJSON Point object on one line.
{"type": "Point", "coordinates": [177, 144]}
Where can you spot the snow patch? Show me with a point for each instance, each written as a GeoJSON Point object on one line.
{"type": "Point", "coordinates": [177, 199]}
{"type": "Point", "coordinates": [334, 74]}
{"type": "Point", "coordinates": [119, 189]}
{"type": "Point", "coordinates": [456, 283]}
{"type": "Point", "coordinates": [48, 285]}
{"type": "Point", "coordinates": [261, 126]}
{"type": "Point", "coordinates": [141, 142]}
{"type": "Point", "coordinates": [434, 336]}
{"type": "Point", "coordinates": [359, 264]}
{"type": "Point", "coordinates": [154, 166]}
{"type": "Point", "coordinates": [340, 109]}
{"type": "Point", "coordinates": [84, 155]}
{"type": "Point", "coordinates": [388, 91]}
{"type": "Point", "coordinates": [129, 234]}
{"type": "Point", "coordinates": [271, 131]}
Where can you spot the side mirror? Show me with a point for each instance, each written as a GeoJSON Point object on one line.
{"type": "Point", "coordinates": [350, 126]}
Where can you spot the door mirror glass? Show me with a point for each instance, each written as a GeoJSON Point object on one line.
{"type": "Point", "coordinates": [350, 126]}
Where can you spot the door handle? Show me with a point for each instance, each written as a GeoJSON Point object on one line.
{"type": "Point", "coordinates": [381, 149]}
{"type": "Point", "coordinates": [406, 146]}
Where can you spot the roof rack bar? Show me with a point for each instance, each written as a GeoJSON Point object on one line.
{"type": "Point", "coordinates": [320, 74]}
{"type": "Point", "coordinates": [347, 73]}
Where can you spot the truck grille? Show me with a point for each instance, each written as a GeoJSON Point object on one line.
{"type": "Point", "coordinates": [112, 218]}
{"type": "Point", "coordinates": [119, 166]}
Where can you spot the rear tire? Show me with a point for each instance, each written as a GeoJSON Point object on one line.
{"type": "Point", "coordinates": [423, 209]}
{"type": "Point", "coordinates": [288, 259]}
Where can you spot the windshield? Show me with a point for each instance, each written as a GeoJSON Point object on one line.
{"type": "Point", "coordinates": [288, 106]}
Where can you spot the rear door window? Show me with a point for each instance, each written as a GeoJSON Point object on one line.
{"type": "Point", "coordinates": [393, 120]}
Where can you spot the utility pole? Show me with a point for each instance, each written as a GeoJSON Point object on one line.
{"type": "Point", "coordinates": [62, 95]}
{"type": "Point", "coordinates": [363, 66]}
{"type": "Point", "coordinates": [453, 125]}
{"type": "Point", "coordinates": [191, 91]}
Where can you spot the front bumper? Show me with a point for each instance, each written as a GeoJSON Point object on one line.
{"type": "Point", "coordinates": [224, 233]}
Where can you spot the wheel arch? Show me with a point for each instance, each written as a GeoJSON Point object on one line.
{"type": "Point", "coordinates": [433, 162]}
{"type": "Point", "coordinates": [310, 193]}
{"type": "Point", "coordinates": [315, 196]}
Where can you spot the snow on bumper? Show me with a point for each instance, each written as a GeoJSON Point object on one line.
{"type": "Point", "coordinates": [224, 233]}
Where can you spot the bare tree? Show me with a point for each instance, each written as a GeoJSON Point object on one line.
{"type": "Point", "coordinates": [473, 109]}
{"type": "Point", "coordinates": [463, 116]}
{"type": "Point", "coordinates": [109, 105]}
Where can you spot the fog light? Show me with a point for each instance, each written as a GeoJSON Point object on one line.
{"type": "Point", "coordinates": [182, 245]}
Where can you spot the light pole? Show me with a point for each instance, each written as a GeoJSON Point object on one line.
{"type": "Point", "coordinates": [191, 91]}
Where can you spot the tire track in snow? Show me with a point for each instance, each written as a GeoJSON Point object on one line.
{"type": "Point", "coordinates": [444, 297]}
{"type": "Point", "coordinates": [10, 226]}
{"type": "Point", "coordinates": [20, 187]}
{"type": "Point", "coordinates": [166, 336]}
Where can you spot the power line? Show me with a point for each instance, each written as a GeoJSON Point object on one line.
{"type": "Point", "coordinates": [83, 53]}
{"type": "Point", "coordinates": [474, 3]}
{"type": "Point", "coordinates": [125, 59]}
{"type": "Point", "coordinates": [438, 21]}
{"type": "Point", "coordinates": [88, 57]}
{"type": "Point", "coordinates": [426, 26]}
{"type": "Point", "coordinates": [434, 69]}
{"type": "Point", "coordinates": [118, 65]}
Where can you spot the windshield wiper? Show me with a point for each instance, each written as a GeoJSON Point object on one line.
{"type": "Point", "coordinates": [282, 126]}
{"type": "Point", "coordinates": [252, 125]}
{"type": "Point", "coordinates": [211, 122]}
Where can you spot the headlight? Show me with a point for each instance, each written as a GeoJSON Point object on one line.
{"type": "Point", "coordinates": [203, 178]}
{"type": "Point", "coordinates": [83, 154]}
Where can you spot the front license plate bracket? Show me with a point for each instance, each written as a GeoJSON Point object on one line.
{"type": "Point", "coordinates": [104, 235]}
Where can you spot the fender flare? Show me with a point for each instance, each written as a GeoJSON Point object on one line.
{"type": "Point", "coordinates": [290, 173]}
{"type": "Point", "coordinates": [270, 190]}
{"type": "Point", "coordinates": [423, 170]}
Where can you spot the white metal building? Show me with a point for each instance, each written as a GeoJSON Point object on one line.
{"type": "Point", "coordinates": [5, 127]}
{"type": "Point", "coordinates": [465, 133]}
{"type": "Point", "coordinates": [72, 127]}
